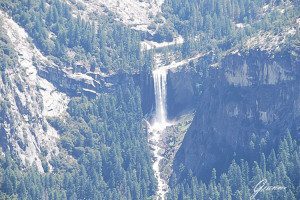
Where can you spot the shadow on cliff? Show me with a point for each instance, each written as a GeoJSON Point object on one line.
{"type": "Point", "coordinates": [247, 104]}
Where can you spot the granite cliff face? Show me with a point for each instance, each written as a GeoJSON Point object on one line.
{"type": "Point", "coordinates": [181, 91]}
{"type": "Point", "coordinates": [26, 101]}
{"type": "Point", "coordinates": [247, 103]}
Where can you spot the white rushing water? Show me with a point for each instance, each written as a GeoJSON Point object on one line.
{"type": "Point", "coordinates": [158, 126]}
{"type": "Point", "coordinates": [160, 89]}
{"type": "Point", "coordinates": [160, 120]}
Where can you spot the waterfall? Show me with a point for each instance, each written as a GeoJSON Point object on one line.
{"type": "Point", "coordinates": [160, 89]}
{"type": "Point", "coordinates": [157, 127]}
{"type": "Point", "coordinates": [160, 122]}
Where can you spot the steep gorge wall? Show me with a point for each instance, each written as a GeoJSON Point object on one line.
{"type": "Point", "coordinates": [26, 101]}
{"type": "Point", "coordinates": [181, 91]}
{"type": "Point", "coordinates": [251, 92]}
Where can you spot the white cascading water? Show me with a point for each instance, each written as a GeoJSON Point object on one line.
{"type": "Point", "coordinates": [158, 126]}
{"type": "Point", "coordinates": [160, 90]}
{"type": "Point", "coordinates": [160, 121]}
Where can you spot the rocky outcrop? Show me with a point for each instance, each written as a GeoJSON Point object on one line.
{"type": "Point", "coordinates": [247, 103]}
{"type": "Point", "coordinates": [138, 14]}
{"type": "Point", "coordinates": [181, 91]}
{"type": "Point", "coordinates": [147, 92]}
{"type": "Point", "coordinates": [89, 84]}
{"type": "Point", "coordinates": [26, 100]}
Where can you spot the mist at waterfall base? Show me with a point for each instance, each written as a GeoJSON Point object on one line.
{"type": "Point", "coordinates": [157, 126]}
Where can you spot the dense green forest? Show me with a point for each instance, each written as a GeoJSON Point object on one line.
{"type": "Point", "coordinates": [103, 144]}
{"type": "Point", "coordinates": [57, 33]}
{"type": "Point", "coordinates": [279, 168]}
{"type": "Point", "coordinates": [109, 159]}
{"type": "Point", "coordinates": [104, 153]}
{"type": "Point", "coordinates": [220, 25]}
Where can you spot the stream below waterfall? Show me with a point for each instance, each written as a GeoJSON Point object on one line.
{"type": "Point", "coordinates": [159, 123]}
{"type": "Point", "coordinates": [157, 127]}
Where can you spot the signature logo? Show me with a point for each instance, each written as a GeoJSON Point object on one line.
{"type": "Point", "coordinates": [263, 186]}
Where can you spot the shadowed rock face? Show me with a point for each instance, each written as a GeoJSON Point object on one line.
{"type": "Point", "coordinates": [251, 92]}
{"type": "Point", "coordinates": [147, 91]}
{"type": "Point", "coordinates": [181, 92]}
